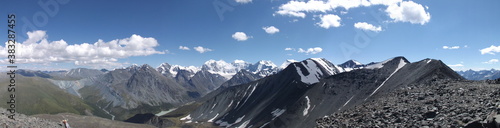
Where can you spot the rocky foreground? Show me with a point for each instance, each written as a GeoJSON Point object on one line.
{"type": "Point", "coordinates": [442, 103]}
{"type": "Point", "coordinates": [54, 121]}
{"type": "Point", "coordinates": [23, 121]}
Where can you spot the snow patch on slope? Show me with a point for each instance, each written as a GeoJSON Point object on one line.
{"type": "Point", "coordinates": [314, 72]}
{"type": "Point", "coordinates": [244, 125]}
{"type": "Point", "coordinates": [212, 120]}
{"type": "Point", "coordinates": [325, 65]}
{"type": "Point", "coordinates": [277, 112]}
{"type": "Point", "coordinates": [400, 65]}
{"type": "Point", "coordinates": [287, 62]}
{"type": "Point", "coordinates": [346, 102]}
{"type": "Point", "coordinates": [188, 118]}
{"type": "Point", "coordinates": [248, 97]}
{"type": "Point", "coordinates": [306, 110]}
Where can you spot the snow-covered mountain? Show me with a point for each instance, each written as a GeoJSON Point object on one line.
{"type": "Point", "coordinates": [313, 69]}
{"type": "Point", "coordinates": [263, 68]}
{"type": "Point", "coordinates": [223, 68]}
{"type": "Point", "coordinates": [172, 70]}
{"type": "Point", "coordinates": [286, 63]}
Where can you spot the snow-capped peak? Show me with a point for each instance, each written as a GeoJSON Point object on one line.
{"type": "Point", "coordinates": [314, 72]}
{"type": "Point", "coordinates": [174, 69]}
{"type": "Point", "coordinates": [330, 68]}
{"type": "Point", "coordinates": [262, 65]}
{"type": "Point", "coordinates": [263, 68]}
{"type": "Point", "coordinates": [351, 64]}
{"type": "Point", "coordinates": [220, 67]}
{"type": "Point", "coordinates": [317, 68]}
{"type": "Point", "coordinates": [287, 62]}
{"type": "Point", "coordinates": [378, 65]}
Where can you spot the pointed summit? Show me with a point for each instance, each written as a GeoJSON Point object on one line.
{"type": "Point", "coordinates": [313, 69]}
{"type": "Point", "coordinates": [351, 64]}
{"type": "Point", "coordinates": [287, 62]}
{"type": "Point", "coordinates": [383, 63]}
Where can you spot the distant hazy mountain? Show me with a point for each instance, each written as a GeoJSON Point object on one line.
{"type": "Point", "coordinates": [480, 75]}
{"type": "Point", "coordinates": [75, 74]}
{"type": "Point", "coordinates": [31, 73]}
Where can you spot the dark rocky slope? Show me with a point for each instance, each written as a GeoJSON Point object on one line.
{"type": "Point", "coordinates": [436, 103]}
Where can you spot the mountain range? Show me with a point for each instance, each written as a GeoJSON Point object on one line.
{"type": "Point", "coordinates": [307, 90]}
{"type": "Point", "coordinates": [480, 75]}
{"type": "Point", "coordinates": [237, 94]}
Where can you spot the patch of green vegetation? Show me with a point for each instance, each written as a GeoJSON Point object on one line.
{"type": "Point", "coordinates": [90, 95]}
{"type": "Point", "coordinates": [35, 95]}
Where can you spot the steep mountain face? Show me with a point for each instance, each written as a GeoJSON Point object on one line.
{"type": "Point", "coordinates": [203, 82]}
{"type": "Point", "coordinates": [480, 75]}
{"type": "Point", "coordinates": [263, 68]}
{"type": "Point", "coordinates": [166, 70]}
{"type": "Point", "coordinates": [256, 101]}
{"type": "Point", "coordinates": [125, 92]}
{"type": "Point", "coordinates": [313, 88]}
{"type": "Point", "coordinates": [150, 87]}
{"type": "Point", "coordinates": [223, 68]}
{"type": "Point", "coordinates": [173, 70]}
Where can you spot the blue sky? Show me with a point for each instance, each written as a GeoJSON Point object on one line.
{"type": "Point", "coordinates": [152, 32]}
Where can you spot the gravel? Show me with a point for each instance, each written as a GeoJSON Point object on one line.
{"type": "Point", "coordinates": [23, 121]}
{"type": "Point", "coordinates": [442, 103]}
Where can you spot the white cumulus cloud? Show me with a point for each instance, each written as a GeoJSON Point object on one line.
{"type": "Point", "coordinates": [329, 20]}
{"type": "Point", "coordinates": [289, 49]}
{"type": "Point", "coordinates": [456, 65]}
{"type": "Point", "coordinates": [240, 36]}
{"type": "Point", "coordinates": [367, 27]}
{"type": "Point", "coordinates": [243, 1]}
{"type": "Point", "coordinates": [271, 29]}
{"type": "Point", "coordinates": [202, 49]}
{"type": "Point", "coordinates": [183, 48]}
{"type": "Point", "coordinates": [490, 50]}
{"type": "Point", "coordinates": [492, 61]}
{"type": "Point", "coordinates": [397, 10]}
{"type": "Point", "coordinates": [408, 11]}
{"type": "Point", "coordinates": [298, 8]}
{"type": "Point", "coordinates": [451, 47]}
{"type": "Point", "coordinates": [314, 50]}
{"type": "Point", "coordinates": [38, 49]}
